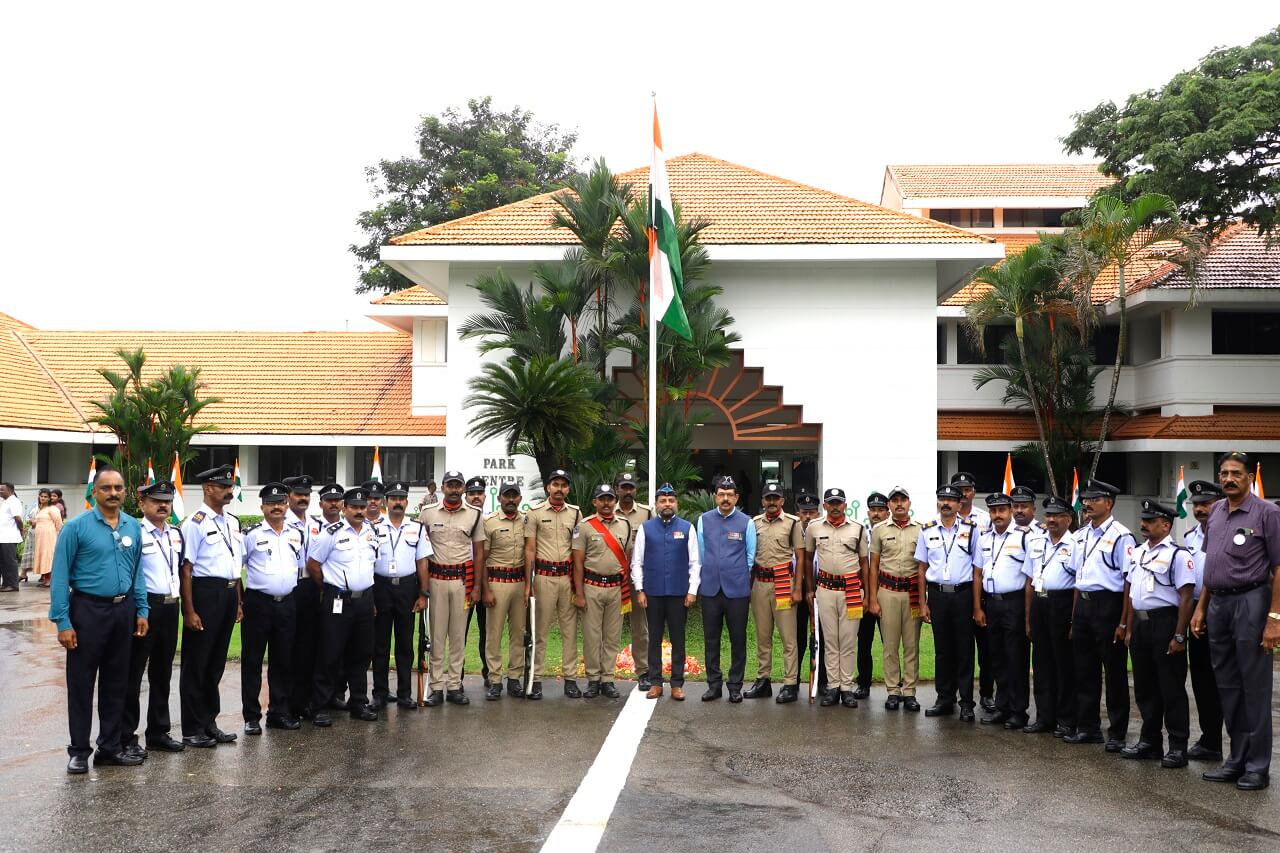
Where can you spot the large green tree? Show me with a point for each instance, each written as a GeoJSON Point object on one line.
{"type": "Point", "coordinates": [1209, 138]}
{"type": "Point", "coordinates": [465, 163]}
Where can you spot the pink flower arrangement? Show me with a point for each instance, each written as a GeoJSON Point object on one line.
{"type": "Point", "coordinates": [626, 664]}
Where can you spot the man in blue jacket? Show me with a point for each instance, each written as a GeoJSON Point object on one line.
{"type": "Point", "coordinates": [727, 538]}
{"type": "Point", "coordinates": [666, 576]}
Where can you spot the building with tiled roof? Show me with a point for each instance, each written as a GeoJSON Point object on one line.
{"type": "Point", "coordinates": [913, 186]}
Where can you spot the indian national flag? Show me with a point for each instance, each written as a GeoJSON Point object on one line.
{"type": "Point", "coordinates": [236, 489]}
{"type": "Point", "coordinates": [1257, 483]}
{"type": "Point", "coordinates": [178, 510]}
{"type": "Point", "coordinates": [151, 472]}
{"type": "Point", "coordinates": [1182, 494]}
{"type": "Point", "coordinates": [1008, 474]}
{"type": "Point", "coordinates": [665, 275]}
{"type": "Point", "coordinates": [376, 473]}
{"type": "Point", "coordinates": [1076, 503]}
{"type": "Point", "coordinates": [88, 486]}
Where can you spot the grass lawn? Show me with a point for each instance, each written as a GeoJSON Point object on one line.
{"type": "Point", "coordinates": [694, 642]}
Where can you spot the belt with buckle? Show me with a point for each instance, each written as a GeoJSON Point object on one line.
{"type": "Point", "coordinates": [1236, 590]}
{"type": "Point", "coordinates": [265, 594]}
{"type": "Point", "coordinates": [102, 599]}
{"type": "Point", "coordinates": [597, 579]}
{"type": "Point", "coordinates": [826, 580]}
{"type": "Point", "coordinates": [1155, 612]}
{"type": "Point", "coordinates": [893, 583]}
{"type": "Point", "coordinates": [158, 598]}
{"type": "Point", "coordinates": [346, 593]}
{"type": "Point", "coordinates": [219, 583]}
{"type": "Point", "coordinates": [1098, 594]}
{"type": "Point", "coordinates": [1003, 596]}
{"type": "Point", "coordinates": [948, 587]}
{"type": "Point", "coordinates": [552, 568]}
{"type": "Point", "coordinates": [394, 580]}
{"type": "Point", "coordinates": [505, 574]}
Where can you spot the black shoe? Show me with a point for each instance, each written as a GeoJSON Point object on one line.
{"type": "Point", "coordinates": [164, 743]}
{"type": "Point", "coordinates": [1174, 759]}
{"type": "Point", "coordinates": [322, 720]}
{"type": "Point", "coordinates": [337, 705]}
{"type": "Point", "coordinates": [406, 703]}
{"type": "Point", "coordinates": [831, 697]}
{"type": "Point", "coordinates": [515, 688]}
{"type": "Point", "coordinates": [608, 690]}
{"type": "Point", "coordinates": [535, 690]}
{"type": "Point", "coordinates": [379, 701]}
{"type": "Point", "coordinates": [1141, 749]}
{"type": "Point", "coordinates": [456, 697]}
{"type": "Point", "coordinates": [988, 704]}
{"type": "Point", "coordinates": [117, 759]}
{"type": "Point", "coordinates": [199, 741]}
{"type": "Point", "coordinates": [966, 715]}
{"type": "Point", "coordinates": [288, 724]}
{"type": "Point", "coordinates": [892, 703]}
{"type": "Point", "coordinates": [434, 698]}
{"type": "Point", "coordinates": [1084, 737]}
{"type": "Point", "coordinates": [592, 691]}
{"type": "Point", "coordinates": [909, 703]}
{"type": "Point", "coordinates": [644, 683]}
{"type": "Point", "coordinates": [760, 689]}
{"type": "Point", "coordinates": [1016, 722]}
{"type": "Point", "coordinates": [305, 713]}
{"type": "Point", "coordinates": [996, 718]}
{"type": "Point", "coordinates": [943, 709]}
{"type": "Point", "coordinates": [848, 699]}
{"type": "Point", "coordinates": [571, 690]}
{"type": "Point", "coordinates": [735, 695]}
{"type": "Point", "coordinates": [367, 713]}
{"type": "Point", "coordinates": [1114, 745]}
{"type": "Point", "coordinates": [1253, 781]}
{"type": "Point", "coordinates": [861, 692]}
{"type": "Point", "coordinates": [1039, 727]}
{"type": "Point", "coordinates": [1222, 774]}
{"type": "Point", "coordinates": [1203, 753]}
{"type": "Point", "coordinates": [493, 693]}
{"type": "Point", "coordinates": [136, 749]}
{"type": "Point", "coordinates": [78, 764]}
{"type": "Point", "coordinates": [220, 736]}
{"type": "Point", "coordinates": [251, 727]}
{"type": "Point", "coordinates": [712, 694]}
{"type": "Point", "coordinates": [1061, 731]}
{"type": "Point", "coordinates": [788, 693]}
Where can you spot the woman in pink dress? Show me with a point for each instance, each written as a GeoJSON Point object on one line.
{"type": "Point", "coordinates": [47, 522]}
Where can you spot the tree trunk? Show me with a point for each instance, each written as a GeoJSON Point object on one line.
{"type": "Point", "coordinates": [573, 332]}
{"type": "Point", "coordinates": [1115, 374]}
{"type": "Point", "coordinates": [1035, 406]}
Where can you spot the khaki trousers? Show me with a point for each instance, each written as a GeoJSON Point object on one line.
{"type": "Point", "coordinates": [898, 628]}
{"type": "Point", "coordinates": [839, 638]}
{"type": "Point", "coordinates": [555, 605]}
{"type": "Point", "coordinates": [448, 624]}
{"type": "Point", "coordinates": [639, 637]}
{"type": "Point", "coordinates": [509, 608]}
{"type": "Point", "coordinates": [764, 608]}
{"type": "Point", "coordinates": [602, 631]}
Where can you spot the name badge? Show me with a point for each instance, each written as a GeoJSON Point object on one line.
{"type": "Point", "coordinates": [337, 605]}
{"type": "Point", "coordinates": [1151, 583]}
{"type": "Point", "coordinates": [733, 535]}
{"type": "Point", "coordinates": [392, 567]}
{"type": "Point", "coordinates": [1239, 539]}
{"type": "Point", "coordinates": [677, 534]}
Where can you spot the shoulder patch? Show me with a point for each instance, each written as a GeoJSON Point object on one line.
{"type": "Point", "coordinates": [253, 527]}
{"type": "Point", "coordinates": [333, 528]}
{"type": "Point", "coordinates": [573, 506]}
{"type": "Point", "coordinates": [928, 524]}
{"type": "Point", "coordinates": [198, 516]}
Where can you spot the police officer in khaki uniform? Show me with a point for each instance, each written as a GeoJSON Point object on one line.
{"type": "Point", "coordinates": [602, 546]}
{"type": "Point", "coordinates": [808, 508]}
{"type": "Point", "coordinates": [777, 589]}
{"type": "Point", "coordinates": [473, 494]}
{"type": "Point", "coordinates": [457, 543]}
{"type": "Point", "coordinates": [503, 584]}
{"type": "Point", "coordinates": [877, 511]}
{"type": "Point", "coordinates": [636, 514]}
{"type": "Point", "coordinates": [839, 545]}
{"type": "Point", "coordinates": [548, 557]}
{"type": "Point", "coordinates": [894, 595]}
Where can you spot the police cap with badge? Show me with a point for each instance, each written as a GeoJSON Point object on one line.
{"type": "Point", "coordinates": [964, 480]}
{"type": "Point", "coordinates": [833, 496]}
{"type": "Point", "coordinates": [509, 487]}
{"type": "Point", "coordinates": [877, 499]}
{"type": "Point", "coordinates": [299, 485]}
{"type": "Point", "coordinates": [160, 490]}
{"type": "Point", "coordinates": [1022, 495]}
{"type": "Point", "coordinates": [374, 488]}
{"type": "Point", "coordinates": [998, 499]}
{"type": "Point", "coordinates": [559, 474]}
{"type": "Point", "coordinates": [332, 492]}
{"type": "Point", "coordinates": [1054, 505]}
{"type": "Point", "coordinates": [1154, 509]}
{"type": "Point", "coordinates": [604, 490]}
{"type": "Point", "coordinates": [273, 493]}
{"type": "Point", "coordinates": [1098, 489]}
{"type": "Point", "coordinates": [772, 489]}
{"type": "Point", "coordinates": [452, 477]}
{"type": "Point", "coordinates": [804, 500]}
{"type": "Point", "coordinates": [359, 496]}
{"type": "Point", "coordinates": [397, 489]}
{"type": "Point", "coordinates": [475, 484]}
{"type": "Point", "coordinates": [223, 475]}
{"type": "Point", "coordinates": [626, 478]}
{"type": "Point", "coordinates": [949, 491]}
{"type": "Point", "coordinates": [1202, 491]}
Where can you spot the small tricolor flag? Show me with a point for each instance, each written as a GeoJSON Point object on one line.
{"type": "Point", "coordinates": [665, 274]}
{"type": "Point", "coordinates": [1076, 503]}
{"type": "Point", "coordinates": [178, 510]}
{"type": "Point", "coordinates": [151, 473]}
{"type": "Point", "coordinates": [376, 473]}
{"type": "Point", "coordinates": [1182, 495]}
{"type": "Point", "coordinates": [1008, 474]}
{"type": "Point", "coordinates": [236, 489]}
{"type": "Point", "coordinates": [88, 487]}
{"type": "Point", "coordinates": [1257, 483]}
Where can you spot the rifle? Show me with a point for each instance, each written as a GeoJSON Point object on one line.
{"type": "Point", "coordinates": [530, 629]}
{"type": "Point", "coordinates": [423, 645]}
{"type": "Point", "coordinates": [815, 659]}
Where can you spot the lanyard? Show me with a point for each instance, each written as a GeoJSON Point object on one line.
{"type": "Point", "coordinates": [226, 540]}
{"type": "Point", "coordinates": [995, 556]}
{"type": "Point", "coordinates": [166, 550]}
{"type": "Point", "coordinates": [947, 546]}
{"type": "Point", "coordinates": [1089, 549]}
{"type": "Point", "coordinates": [1053, 555]}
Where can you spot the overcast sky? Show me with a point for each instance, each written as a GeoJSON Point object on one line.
{"type": "Point", "coordinates": [201, 165]}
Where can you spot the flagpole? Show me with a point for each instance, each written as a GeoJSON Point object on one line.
{"type": "Point", "coordinates": [653, 339]}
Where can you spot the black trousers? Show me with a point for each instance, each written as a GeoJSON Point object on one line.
{"type": "Point", "coordinates": [952, 618]}
{"type": "Point", "coordinates": [204, 654]}
{"type": "Point", "coordinates": [804, 640]}
{"type": "Point", "coordinates": [666, 612]}
{"type": "Point", "coordinates": [1096, 650]}
{"type": "Point", "coordinates": [479, 614]}
{"type": "Point", "coordinates": [717, 610]}
{"type": "Point", "coordinates": [346, 644]}
{"type": "Point", "coordinates": [306, 644]}
{"type": "Point", "coordinates": [1052, 658]}
{"type": "Point", "coordinates": [104, 638]}
{"type": "Point", "coordinates": [1243, 672]}
{"type": "Point", "coordinates": [9, 565]}
{"type": "Point", "coordinates": [1159, 678]}
{"type": "Point", "coordinates": [394, 602]}
{"type": "Point", "coordinates": [1205, 689]}
{"type": "Point", "coordinates": [268, 624]}
{"type": "Point", "coordinates": [1008, 651]}
{"type": "Point", "coordinates": [986, 674]}
{"type": "Point", "coordinates": [866, 636]}
{"type": "Point", "coordinates": [153, 655]}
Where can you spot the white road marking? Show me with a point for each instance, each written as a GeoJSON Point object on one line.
{"type": "Point", "coordinates": [584, 820]}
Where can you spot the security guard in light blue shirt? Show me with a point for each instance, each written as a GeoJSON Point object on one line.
{"type": "Point", "coordinates": [1053, 599]}
{"type": "Point", "coordinates": [1008, 564]}
{"type": "Point", "coordinates": [1204, 686]}
{"type": "Point", "coordinates": [405, 549]}
{"type": "Point", "coordinates": [1157, 613]}
{"type": "Point", "coordinates": [273, 556]}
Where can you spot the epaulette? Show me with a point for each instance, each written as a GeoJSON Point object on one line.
{"type": "Point", "coordinates": [928, 524]}
{"type": "Point", "coordinates": [881, 523]}
{"type": "Point", "coordinates": [198, 516]}
{"type": "Point", "coordinates": [318, 519]}
{"type": "Point", "coordinates": [253, 527]}
{"type": "Point", "coordinates": [334, 528]}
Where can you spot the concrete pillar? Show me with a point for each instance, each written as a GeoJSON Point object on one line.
{"type": "Point", "coordinates": [249, 467]}
{"type": "Point", "coordinates": [953, 341]}
{"type": "Point", "coordinates": [21, 463]}
{"type": "Point", "coordinates": [346, 465]}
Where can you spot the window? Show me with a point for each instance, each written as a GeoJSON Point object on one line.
{"type": "Point", "coordinates": [1252, 333]}
{"type": "Point", "coordinates": [1104, 341]}
{"type": "Point", "coordinates": [966, 217]}
{"type": "Point", "coordinates": [414, 465]}
{"type": "Point", "coordinates": [987, 467]}
{"type": "Point", "coordinates": [42, 462]}
{"type": "Point", "coordinates": [1033, 217]}
{"type": "Point", "coordinates": [993, 336]}
{"type": "Point", "coordinates": [276, 463]}
{"type": "Point", "coordinates": [208, 456]}
{"type": "Point", "coordinates": [942, 343]}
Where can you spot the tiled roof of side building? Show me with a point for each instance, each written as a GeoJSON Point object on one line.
{"type": "Point", "coordinates": [742, 205]}
{"type": "Point", "coordinates": [360, 386]}
{"type": "Point", "coordinates": [415, 295]}
{"type": "Point", "coordinates": [1238, 257]}
{"type": "Point", "coordinates": [1240, 424]}
{"type": "Point", "coordinates": [969, 180]}
{"type": "Point", "coordinates": [32, 398]}
{"type": "Point", "coordinates": [1013, 244]}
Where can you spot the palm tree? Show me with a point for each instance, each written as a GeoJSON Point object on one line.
{"type": "Point", "coordinates": [1114, 234]}
{"type": "Point", "coordinates": [568, 291]}
{"type": "Point", "coordinates": [542, 406]}
{"type": "Point", "coordinates": [1023, 288]}
{"type": "Point", "coordinates": [520, 321]}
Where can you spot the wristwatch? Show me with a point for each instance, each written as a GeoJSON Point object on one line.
{"type": "Point", "coordinates": [1180, 639]}
{"type": "Point", "coordinates": [1274, 615]}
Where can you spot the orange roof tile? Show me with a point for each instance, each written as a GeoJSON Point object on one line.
{"type": "Point", "coordinates": [742, 205]}
{"type": "Point", "coordinates": [1016, 179]}
{"type": "Point", "coordinates": [1013, 244]}
{"type": "Point", "coordinates": [1238, 257]}
{"type": "Point", "coordinates": [361, 385]}
{"type": "Point", "coordinates": [414, 295]}
{"type": "Point", "coordinates": [1239, 424]}
{"type": "Point", "coordinates": [32, 398]}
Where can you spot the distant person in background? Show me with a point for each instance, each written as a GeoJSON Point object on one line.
{"type": "Point", "coordinates": [11, 529]}
{"type": "Point", "coordinates": [45, 524]}
{"type": "Point", "coordinates": [29, 545]}
{"type": "Point", "coordinates": [431, 498]}
{"type": "Point", "coordinates": [56, 499]}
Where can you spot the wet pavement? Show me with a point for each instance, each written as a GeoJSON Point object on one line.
{"type": "Point", "coordinates": [496, 776]}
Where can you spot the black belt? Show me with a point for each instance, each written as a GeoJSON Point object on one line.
{"type": "Point", "coordinates": [826, 580]}
{"type": "Point", "coordinates": [276, 598]}
{"type": "Point", "coordinates": [220, 583]}
{"type": "Point", "coordinates": [394, 580]}
{"type": "Point", "coordinates": [1045, 593]}
{"type": "Point", "coordinates": [553, 569]}
{"type": "Point", "coordinates": [346, 593]}
{"type": "Point", "coordinates": [1155, 613]}
{"type": "Point", "coordinates": [439, 573]}
{"type": "Point", "coordinates": [1236, 590]}
{"type": "Point", "coordinates": [894, 583]}
{"type": "Point", "coordinates": [102, 599]}
{"type": "Point", "coordinates": [505, 574]}
{"type": "Point", "coordinates": [596, 579]}
{"type": "Point", "coordinates": [158, 598]}
{"type": "Point", "coordinates": [1004, 596]}
{"type": "Point", "coordinates": [947, 587]}
{"type": "Point", "coordinates": [1098, 594]}
{"type": "Point", "coordinates": [762, 574]}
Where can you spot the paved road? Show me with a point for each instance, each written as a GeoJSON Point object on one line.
{"type": "Point", "coordinates": [496, 776]}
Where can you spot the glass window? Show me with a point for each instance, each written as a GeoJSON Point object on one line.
{"type": "Point", "coordinates": [965, 217]}
{"type": "Point", "coordinates": [1240, 333]}
{"type": "Point", "coordinates": [993, 336]}
{"type": "Point", "coordinates": [414, 465]}
{"type": "Point", "coordinates": [1104, 341]}
{"type": "Point", "coordinates": [276, 463]}
{"type": "Point", "coordinates": [942, 343]}
{"type": "Point", "coordinates": [208, 456]}
{"type": "Point", "coordinates": [1033, 217]}
{"type": "Point", "coordinates": [42, 462]}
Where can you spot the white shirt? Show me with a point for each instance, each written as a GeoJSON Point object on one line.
{"type": "Point", "coordinates": [695, 560]}
{"type": "Point", "coordinates": [1157, 573]}
{"type": "Point", "coordinates": [161, 557]}
{"type": "Point", "coordinates": [978, 516]}
{"type": "Point", "coordinates": [950, 552]}
{"type": "Point", "coordinates": [346, 557]}
{"type": "Point", "coordinates": [1055, 564]}
{"type": "Point", "coordinates": [402, 548]}
{"type": "Point", "coordinates": [1193, 541]}
{"type": "Point", "coordinates": [213, 544]}
{"type": "Point", "coordinates": [273, 559]}
{"type": "Point", "coordinates": [1102, 556]}
{"type": "Point", "coordinates": [1006, 560]}
{"type": "Point", "coordinates": [10, 516]}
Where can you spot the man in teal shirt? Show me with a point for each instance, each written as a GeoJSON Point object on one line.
{"type": "Point", "coordinates": [98, 600]}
